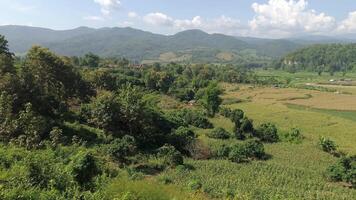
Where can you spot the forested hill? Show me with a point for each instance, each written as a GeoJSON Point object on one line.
{"type": "Point", "coordinates": [191, 45]}
{"type": "Point", "coordinates": [321, 58]}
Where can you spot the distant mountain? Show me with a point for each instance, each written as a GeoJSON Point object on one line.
{"type": "Point", "coordinates": [190, 45]}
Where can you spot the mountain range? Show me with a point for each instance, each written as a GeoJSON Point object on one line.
{"type": "Point", "coordinates": [134, 44]}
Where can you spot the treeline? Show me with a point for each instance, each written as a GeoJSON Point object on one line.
{"type": "Point", "coordinates": [329, 58]}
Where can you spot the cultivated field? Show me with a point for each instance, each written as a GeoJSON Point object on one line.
{"type": "Point", "coordinates": [294, 171]}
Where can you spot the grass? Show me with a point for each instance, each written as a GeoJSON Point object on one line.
{"type": "Point", "coordinates": [350, 115]}
{"type": "Point", "coordinates": [147, 189]}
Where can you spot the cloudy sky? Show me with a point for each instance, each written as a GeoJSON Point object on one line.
{"type": "Point", "coordinates": [260, 18]}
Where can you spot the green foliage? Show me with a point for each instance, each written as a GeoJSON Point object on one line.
{"type": "Point", "coordinates": [171, 157]}
{"type": "Point", "coordinates": [344, 170]}
{"type": "Point", "coordinates": [327, 145]}
{"type": "Point", "coordinates": [31, 128]}
{"type": "Point", "coordinates": [56, 136]}
{"type": "Point", "coordinates": [243, 128]}
{"type": "Point", "coordinates": [122, 148]}
{"type": "Point", "coordinates": [293, 136]}
{"type": "Point", "coordinates": [252, 149]}
{"type": "Point", "coordinates": [195, 184]}
{"type": "Point", "coordinates": [219, 133]}
{"type": "Point", "coordinates": [91, 60]}
{"type": "Point", "coordinates": [267, 133]}
{"type": "Point", "coordinates": [181, 138]}
{"type": "Point", "coordinates": [211, 99]}
{"type": "Point", "coordinates": [186, 117]}
{"type": "Point", "coordinates": [321, 58]}
{"type": "Point", "coordinates": [84, 168]}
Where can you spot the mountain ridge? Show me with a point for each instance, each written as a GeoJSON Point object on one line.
{"type": "Point", "coordinates": [141, 45]}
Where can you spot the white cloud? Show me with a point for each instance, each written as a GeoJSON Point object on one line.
{"type": "Point", "coordinates": [222, 24]}
{"type": "Point", "coordinates": [287, 17]}
{"type": "Point", "coordinates": [93, 18]}
{"type": "Point", "coordinates": [158, 19]}
{"type": "Point", "coordinates": [126, 24]}
{"type": "Point", "coordinates": [132, 15]}
{"type": "Point", "coordinates": [107, 6]}
{"type": "Point", "coordinates": [349, 24]}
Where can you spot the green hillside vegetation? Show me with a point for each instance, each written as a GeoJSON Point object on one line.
{"type": "Point", "coordinates": [321, 58]}
{"type": "Point", "coordinates": [140, 45]}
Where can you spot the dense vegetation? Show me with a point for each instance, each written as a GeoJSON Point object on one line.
{"type": "Point", "coordinates": [321, 58]}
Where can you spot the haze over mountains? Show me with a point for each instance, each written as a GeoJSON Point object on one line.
{"type": "Point", "coordinates": [140, 45]}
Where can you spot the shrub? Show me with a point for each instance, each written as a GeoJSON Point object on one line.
{"type": "Point", "coordinates": [171, 157]}
{"type": "Point", "coordinates": [238, 154]}
{"type": "Point", "coordinates": [267, 133]}
{"type": "Point", "coordinates": [56, 136]}
{"type": "Point", "coordinates": [84, 168]}
{"type": "Point", "coordinates": [225, 112]}
{"type": "Point", "coordinates": [236, 115]}
{"type": "Point", "coordinates": [219, 133]}
{"type": "Point", "coordinates": [222, 151]}
{"type": "Point", "coordinates": [293, 136]}
{"type": "Point", "coordinates": [252, 149]}
{"type": "Point", "coordinates": [247, 126]}
{"type": "Point", "coordinates": [343, 170]}
{"type": "Point", "coordinates": [181, 138]}
{"type": "Point", "coordinates": [187, 117]}
{"type": "Point", "coordinates": [327, 145]}
{"type": "Point", "coordinates": [243, 128]}
{"type": "Point", "coordinates": [195, 184]}
{"type": "Point", "coordinates": [120, 149]}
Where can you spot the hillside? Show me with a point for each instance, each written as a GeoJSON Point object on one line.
{"type": "Point", "coordinates": [192, 45]}
{"type": "Point", "coordinates": [322, 58]}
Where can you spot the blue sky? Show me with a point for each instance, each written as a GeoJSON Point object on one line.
{"type": "Point", "coordinates": [262, 18]}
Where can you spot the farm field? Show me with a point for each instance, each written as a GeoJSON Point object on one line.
{"type": "Point", "coordinates": [294, 171]}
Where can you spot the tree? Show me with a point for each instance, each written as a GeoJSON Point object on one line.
{"type": "Point", "coordinates": [48, 82]}
{"type": "Point", "coordinates": [31, 127]}
{"type": "Point", "coordinates": [211, 99]}
{"type": "Point", "coordinates": [7, 119]}
{"type": "Point", "coordinates": [91, 60]}
{"type": "Point", "coordinates": [84, 168]}
{"type": "Point", "coordinates": [6, 58]}
{"type": "Point", "coordinates": [121, 148]}
{"type": "Point", "coordinates": [267, 133]}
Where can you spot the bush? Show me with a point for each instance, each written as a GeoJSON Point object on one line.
{"type": "Point", "coordinates": [195, 184]}
{"type": "Point", "coordinates": [120, 149]}
{"type": "Point", "coordinates": [84, 168]}
{"type": "Point", "coordinates": [171, 157]}
{"type": "Point", "coordinates": [181, 138]}
{"type": "Point", "coordinates": [219, 133]}
{"type": "Point", "coordinates": [252, 149]}
{"type": "Point", "coordinates": [243, 128]}
{"type": "Point", "coordinates": [238, 154]}
{"type": "Point", "coordinates": [293, 136]}
{"type": "Point", "coordinates": [225, 112]}
{"type": "Point", "coordinates": [187, 117]}
{"type": "Point", "coordinates": [267, 133]}
{"type": "Point", "coordinates": [343, 170]}
{"type": "Point", "coordinates": [327, 145]}
{"type": "Point", "coordinates": [222, 151]}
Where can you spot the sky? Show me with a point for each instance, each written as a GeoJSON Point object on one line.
{"type": "Point", "coordinates": [257, 18]}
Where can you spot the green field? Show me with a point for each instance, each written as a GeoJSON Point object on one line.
{"type": "Point", "coordinates": [294, 171]}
